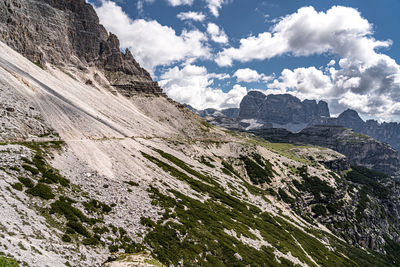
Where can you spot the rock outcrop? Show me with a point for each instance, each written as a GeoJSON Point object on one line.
{"type": "Point", "coordinates": [69, 33]}
{"type": "Point", "coordinates": [281, 109]}
{"type": "Point", "coordinates": [361, 150]}
{"type": "Point", "coordinates": [384, 132]}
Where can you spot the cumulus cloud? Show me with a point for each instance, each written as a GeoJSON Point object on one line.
{"type": "Point", "coordinates": [192, 85]}
{"type": "Point", "coordinates": [180, 2]}
{"type": "Point", "coordinates": [151, 43]}
{"type": "Point", "coordinates": [340, 30]}
{"type": "Point", "coordinates": [370, 78]}
{"type": "Point", "coordinates": [196, 16]}
{"type": "Point", "coordinates": [217, 35]}
{"type": "Point", "coordinates": [248, 75]}
{"type": "Point", "coordinates": [214, 6]}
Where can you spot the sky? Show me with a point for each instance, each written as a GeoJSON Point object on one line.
{"type": "Point", "coordinates": [210, 53]}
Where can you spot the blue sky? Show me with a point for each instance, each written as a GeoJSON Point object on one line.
{"type": "Point", "coordinates": [209, 53]}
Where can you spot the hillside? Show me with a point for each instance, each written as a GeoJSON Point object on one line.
{"type": "Point", "coordinates": [98, 165]}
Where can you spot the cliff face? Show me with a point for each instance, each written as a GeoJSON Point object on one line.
{"type": "Point", "coordinates": [361, 150]}
{"type": "Point", "coordinates": [69, 33]}
{"type": "Point", "coordinates": [384, 132]}
{"type": "Point", "coordinates": [281, 109]}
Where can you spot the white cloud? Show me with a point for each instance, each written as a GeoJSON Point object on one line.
{"type": "Point", "coordinates": [217, 35]}
{"type": "Point", "coordinates": [180, 2]}
{"type": "Point", "coordinates": [151, 43]}
{"type": "Point", "coordinates": [196, 16]}
{"type": "Point", "coordinates": [365, 75]}
{"type": "Point", "coordinates": [214, 6]}
{"type": "Point", "coordinates": [304, 82]}
{"type": "Point", "coordinates": [191, 84]}
{"type": "Point", "coordinates": [340, 30]}
{"type": "Point", "coordinates": [248, 75]}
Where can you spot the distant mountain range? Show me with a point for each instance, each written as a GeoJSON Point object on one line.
{"type": "Point", "coordinates": [258, 111]}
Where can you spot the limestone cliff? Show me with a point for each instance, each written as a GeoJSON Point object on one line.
{"type": "Point", "coordinates": [69, 33]}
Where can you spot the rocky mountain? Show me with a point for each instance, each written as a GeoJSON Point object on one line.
{"type": "Point", "coordinates": [360, 150]}
{"type": "Point", "coordinates": [283, 111]}
{"type": "Point", "coordinates": [68, 33]}
{"type": "Point", "coordinates": [387, 132]}
{"type": "Point", "coordinates": [99, 168]}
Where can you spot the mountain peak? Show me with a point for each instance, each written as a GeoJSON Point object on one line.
{"type": "Point", "coordinates": [68, 33]}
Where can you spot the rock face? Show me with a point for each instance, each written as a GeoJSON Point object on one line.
{"type": "Point", "coordinates": [361, 150]}
{"type": "Point", "coordinates": [281, 109]}
{"type": "Point", "coordinates": [384, 132]}
{"type": "Point", "coordinates": [69, 33]}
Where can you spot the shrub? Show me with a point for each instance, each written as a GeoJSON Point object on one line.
{"type": "Point", "coordinates": [90, 241]}
{"type": "Point", "coordinates": [132, 183]}
{"type": "Point", "coordinates": [41, 190]}
{"type": "Point", "coordinates": [66, 238]}
{"type": "Point", "coordinates": [14, 168]}
{"type": "Point", "coordinates": [95, 206]}
{"type": "Point", "coordinates": [113, 248]}
{"type": "Point", "coordinates": [26, 182]}
{"type": "Point", "coordinates": [30, 169]}
{"type": "Point", "coordinates": [256, 173]}
{"type": "Point", "coordinates": [319, 210]}
{"type": "Point", "coordinates": [79, 228]}
{"type": "Point", "coordinates": [64, 207]}
{"type": "Point", "coordinates": [17, 186]}
{"type": "Point", "coordinates": [285, 197]}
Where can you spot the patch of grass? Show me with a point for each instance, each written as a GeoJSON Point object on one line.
{"type": "Point", "coordinates": [64, 207]}
{"type": "Point", "coordinates": [30, 169]}
{"type": "Point", "coordinates": [319, 210]}
{"type": "Point", "coordinates": [79, 228]}
{"type": "Point", "coordinates": [204, 161]}
{"type": "Point", "coordinates": [66, 238]}
{"type": "Point", "coordinates": [14, 168]}
{"type": "Point", "coordinates": [26, 182]}
{"type": "Point", "coordinates": [96, 206]}
{"type": "Point", "coordinates": [90, 241]}
{"type": "Point", "coordinates": [320, 189]}
{"type": "Point", "coordinates": [17, 186]}
{"type": "Point", "coordinates": [42, 191]}
{"type": "Point", "coordinates": [258, 174]}
{"type": "Point", "coordinates": [8, 262]}
{"type": "Point", "coordinates": [131, 183]}
{"type": "Point", "coordinates": [285, 197]}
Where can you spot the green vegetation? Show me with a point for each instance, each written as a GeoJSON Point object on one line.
{"type": "Point", "coordinates": [79, 228]}
{"type": "Point", "coordinates": [63, 206]}
{"type": "Point", "coordinates": [206, 124]}
{"type": "Point", "coordinates": [206, 162]}
{"type": "Point", "coordinates": [8, 262]}
{"type": "Point", "coordinates": [17, 186]}
{"type": "Point", "coordinates": [96, 206]}
{"type": "Point", "coordinates": [369, 180]}
{"type": "Point", "coordinates": [31, 169]}
{"type": "Point", "coordinates": [41, 190]}
{"type": "Point", "coordinates": [285, 197]}
{"type": "Point", "coordinates": [285, 150]}
{"type": "Point", "coordinates": [229, 168]}
{"type": "Point", "coordinates": [260, 172]}
{"type": "Point", "coordinates": [131, 183]}
{"type": "Point", "coordinates": [66, 238]}
{"type": "Point", "coordinates": [320, 189]}
{"type": "Point", "coordinates": [203, 228]}
{"type": "Point", "coordinates": [319, 210]}
{"type": "Point", "coordinates": [26, 182]}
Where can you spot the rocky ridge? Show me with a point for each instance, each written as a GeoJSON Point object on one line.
{"type": "Point", "coordinates": [68, 33]}
{"type": "Point", "coordinates": [387, 132]}
{"type": "Point", "coordinates": [360, 150]}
